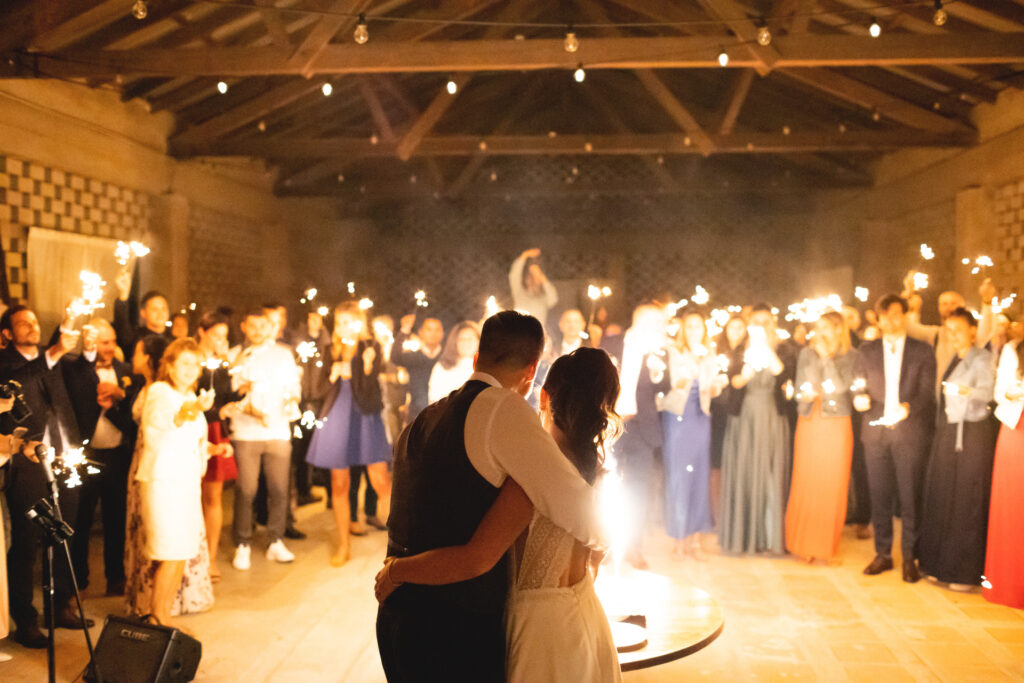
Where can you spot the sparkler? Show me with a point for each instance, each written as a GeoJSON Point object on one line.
{"type": "Point", "coordinates": [758, 355]}
{"type": "Point", "coordinates": [323, 311]}
{"type": "Point", "coordinates": [125, 252]}
{"type": "Point", "coordinates": [91, 298]}
{"type": "Point", "coordinates": [491, 307]}
{"type": "Point", "coordinates": [700, 296]}
{"type": "Point", "coordinates": [920, 281]}
{"type": "Point", "coordinates": [999, 305]}
{"type": "Point", "coordinates": [308, 296]}
{"type": "Point", "coordinates": [811, 310]}
{"type": "Point", "coordinates": [594, 293]}
{"type": "Point", "coordinates": [927, 253]}
{"type": "Point", "coordinates": [70, 465]}
{"type": "Point", "coordinates": [365, 304]}
{"type": "Point", "coordinates": [421, 299]}
{"type": "Point", "coordinates": [351, 287]}
{"type": "Point", "coordinates": [307, 350]}
{"type": "Point", "coordinates": [859, 385]}
{"type": "Point", "coordinates": [860, 294]}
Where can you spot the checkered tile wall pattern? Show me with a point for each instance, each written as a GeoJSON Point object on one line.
{"type": "Point", "coordinates": [34, 195]}
{"type": "Point", "coordinates": [1009, 235]}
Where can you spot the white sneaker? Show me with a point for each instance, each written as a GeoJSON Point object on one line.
{"type": "Point", "coordinates": [278, 553]}
{"type": "Point", "coordinates": [242, 560]}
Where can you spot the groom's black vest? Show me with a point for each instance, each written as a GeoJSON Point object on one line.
{"type": "Point", "coordinates": [438, 500]}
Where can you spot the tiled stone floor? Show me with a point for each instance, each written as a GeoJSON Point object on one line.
{"type": "Point", "coordinates": [784, 622]}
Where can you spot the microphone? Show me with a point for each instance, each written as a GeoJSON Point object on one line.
{"type": "Point", "coordinates": [42, 453]}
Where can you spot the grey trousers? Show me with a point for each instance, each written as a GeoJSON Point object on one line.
{"type": "Point", "coordinates": [275, 459]}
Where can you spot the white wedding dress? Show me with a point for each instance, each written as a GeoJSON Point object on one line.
{"type": "Point", "coordinates": [555, 633]}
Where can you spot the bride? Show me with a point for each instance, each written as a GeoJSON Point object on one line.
{"type": "Point", "coordinates": [556, 628]}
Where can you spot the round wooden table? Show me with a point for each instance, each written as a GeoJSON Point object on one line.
{"type": "Point", "coordinates": [681, 619]}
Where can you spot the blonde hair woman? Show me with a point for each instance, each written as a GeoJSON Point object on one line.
{"type": "Point", "coordinates": [823, 447]}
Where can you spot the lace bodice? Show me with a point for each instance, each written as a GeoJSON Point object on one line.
{"type": "Point", "coordinates": [546, 555]}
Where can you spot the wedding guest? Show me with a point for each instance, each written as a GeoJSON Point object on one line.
{"type": "Point", "coordinates": [52, 421]}
{"type": "Point", "coordinates": [352, 431]}
{"type": "Point", "coordinates": [642, 378]}
{"type": "Point", "coordinates": [755, 461]}
{"type": "Point", "coordinates": [418, 354]}
{"type": "Point", "coordinates": [179, 325]}
{"type": "Point", "coordinates": [194, 592]}
{"type": "Point", "coordinates": [102, 390]}
{"type": "Point", "coordinates": [1003, 582]}
{"type": "Point", "coordinates": [152, 311]}
{"type": "Point", "coordinates": [573, 326]}
{"type": "Point", "coordinates": [823, 447]}
{"type": "Point", "coordinates": [858, 504]}
{"type": "Point", "coordinates": [455, 364]}
{"type": "Point", "coordinates": [314, 340]}
{"type": "Point", "coordinates": [221, 467]}
{"type": "Point", "coordinates": [729, 346]}
{"type": "Point", "coordinates": [261, 434]}
{"type": "Point", "coordinates": [938, 335]}
{"type": "Point", "coordinates": [532, 292]}
{"type": "Point", "coordinates": [694, 379]}
{"type": "Point", "coordinates": [853, 321]}
{"type": "Point", "coordinates": [899, 413]}
{"type": "Point", "coordinates": [954, 512]}
{"type": "Point", "coordinates": [170, 471]}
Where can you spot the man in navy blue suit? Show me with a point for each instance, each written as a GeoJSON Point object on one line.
{"type": "Point", "coordinates": [898, 402]}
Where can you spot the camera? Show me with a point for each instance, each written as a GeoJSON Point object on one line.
{"type": "Point", "coordinates": [20, 410]}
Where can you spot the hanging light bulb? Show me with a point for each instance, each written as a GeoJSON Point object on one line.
{"type": "Point", "coordinates": [222, 87]}
{"type": "Point", "coordinates": [723, 58]}
{"type": "Point", "coordinates": [452, 87]}
{"type": "Point", "coordinates": [140, 9]}
{"type": "Point", "coordinates": [262, 126]}
{"type": "Point", "coordinates": [940, 17]}
{"type": "Point", "coordinates": [875, 29]}
{"type": "Point", "coordinates": [327, 89]}
{"type": "Point", "coordinates": [579, 74]}
{"type": "Point", "coordinates": [572, 43]}
{"type": "Point", "coordinates": [361, 34]}
{"type": "Point", "coordinates": [764, 36]}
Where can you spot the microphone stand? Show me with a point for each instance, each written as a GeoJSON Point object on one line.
{"type": "Point", "coordinates": [47, 515]}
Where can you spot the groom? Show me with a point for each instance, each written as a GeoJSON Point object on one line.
{"type": "Point", "coordinates": [448, 467]}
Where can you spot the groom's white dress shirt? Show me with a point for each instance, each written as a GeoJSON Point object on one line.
{"type": "Point", "coordinates": [504, 438]}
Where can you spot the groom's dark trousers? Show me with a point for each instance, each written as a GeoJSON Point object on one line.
{"type": "Point", "coordinates": [454, 632]}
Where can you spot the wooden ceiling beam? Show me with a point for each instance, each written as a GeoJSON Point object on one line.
{"type": "Point", "coordinates": [738, 95]}
{"type": "Point", "coordinates": [732, 13]}
{"type": "Point", "coordinates": [328, 26]}
{"type": "Point", "coordinates": [619, 144]}
{"type": "Point", "coordinates": [247, 112]}
{"type": "Point", "coordinates": [797, 52]}
{"type": "Point", "coordinates": [82, 24]}
{"type": "Point", "coordinates": [380, 117]}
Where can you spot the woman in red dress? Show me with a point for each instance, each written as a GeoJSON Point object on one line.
{"type": "Point", "coordinates": [1004, 560]}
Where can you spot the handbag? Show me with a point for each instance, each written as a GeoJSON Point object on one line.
{"type": "Point", "coordinates": [219, 467]}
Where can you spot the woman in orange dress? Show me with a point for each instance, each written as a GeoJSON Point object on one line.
{"type": "Point", "coordinates": [823, 446]}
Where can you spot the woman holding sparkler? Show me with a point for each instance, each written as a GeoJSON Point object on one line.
{"type": "Point", "coordinates": [350, 430]}
{"type": "Point", "coordinates": [729, 346]}
{"type": "Point", "coordinates": [695, 379]}
{"type": "Point", "coordinates": [166, 560]}
{"type": "Point", "coordinates": [823, 447]}
{"type": "Point", "coordinates": [556, 627]}
{"type": "Point", "coordinates": [755, 469]}
{"type": "Point", "coordinates": [951, 547]}
{"type": "Point", "coordinates": [455, 364]}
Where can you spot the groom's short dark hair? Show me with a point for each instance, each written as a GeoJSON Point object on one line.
{"type": "Point", "coordinates": [510, 339]}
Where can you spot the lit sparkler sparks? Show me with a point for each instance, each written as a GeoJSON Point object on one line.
{"type": "Point", "coordinates": [91, 298]}
{"type": "Point", "coordinates": [307, 350]}
{"type": "Point", "coordinates": [351, 287]}
{"type": "Point", "coordinates": [365, 304]}
{"type": "Point", "coordinates": [927, 253]}
{"type": "Point", "coordinates": [126, 251]}
{"type": "Point", "coordinates": [999, 305]}
{"type": "Point", "coordinates": [383, 333]}
{"type": "Point", "coordinates": [674, 307]}
{"type": "Point", "coordinates": [322, 311]}
{"type": "Point", "coordinates": [886, 421]}
{"type": "Point", "coordinates": [811, 310]}
{"type": "Point", "coordinates": [859, 385]}
{"type": "Point", "coordinates": [421, 299]}
{"type": "Point", "coordinates": [70, 465]}
{"type": "Point", "coordinates": [920, 281]}
{"type": "Point", "coordinates": [308, 296]}
{"type": "Point", "coordinates": [491, 307]}
{"type": "Point", "coordinates": [716, 321]}
{"type": "Point", "coordinates": [722, 361]}
{"type": "Point", "coordinates": [860, 294]}
{"type": "Point", "coordinates": [758, 355]}
{"type": "Point", "coordinates": [700, 296]}
{"type": "Point", "coordinates": [828, 386]}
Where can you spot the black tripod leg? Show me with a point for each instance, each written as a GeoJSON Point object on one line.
{"type": "Point", "coordinates": [81, 613]}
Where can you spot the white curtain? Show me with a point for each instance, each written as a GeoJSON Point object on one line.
{"type": "Point", "coordinates": [55, 260]}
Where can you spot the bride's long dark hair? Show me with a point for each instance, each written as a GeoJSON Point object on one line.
{"type": "Point", "coordinates": [583, 387]}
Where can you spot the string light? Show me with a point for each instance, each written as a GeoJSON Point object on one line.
{"type": "Point", "coordinates": [222, 87]}
{"type": "Point", "coordinates": [361, 34]}
{"type": "Point", "coordinates": [940, 17]}
{"type": "Point", "coordinates": [327, 89]}
{"type": "Point", "coordinates": [140, 9]}
{"type": "Point", "coordinates": [875, 29]}
{"type": "Point", "coordinates": [764, 36]}
{"type": "Point", "coordinates": [572, 43]}
{"type": "Point", "coordinates": [579, 74]}
{"type": "Point", "coordinates": [723, 58]}
{"type": "Point", "coordinates": [262, 126]}
{"type": "Point", "coordinates": [452, 87]}
{"type": "Point", "coordinates": [374, 139]}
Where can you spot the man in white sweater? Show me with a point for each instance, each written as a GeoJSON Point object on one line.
{"type": "Point", "coordinates": [260, 432]}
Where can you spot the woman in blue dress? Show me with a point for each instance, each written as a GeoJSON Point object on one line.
{"type": "Point", "coordinates": [686, 422]}
{"type": "Point", "coordinates": [350, 430]}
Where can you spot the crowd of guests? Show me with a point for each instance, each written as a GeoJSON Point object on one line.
{"type": "Point", "coordinates": [774, 443]}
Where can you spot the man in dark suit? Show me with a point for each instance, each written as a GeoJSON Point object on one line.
{"type": "Point", "coordinates": [418, 354]}
{"type": "Point", "coordinates": [52, 422]}
{"type": "Point", "coordinates": [898, 402]}
{"type": "Point", "coordinates": [102, 390]}
{"type": "Point", "coordinates": [152, 311]}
